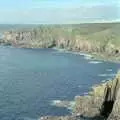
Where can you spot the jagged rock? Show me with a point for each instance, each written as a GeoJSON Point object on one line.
{"type": "Point", "coordinates": [104, 101]}
{"type": "Point", "coordinates": [115, 96]}
{"type": "Point", "coordinates": [89, 106]}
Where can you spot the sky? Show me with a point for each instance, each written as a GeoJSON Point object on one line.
{"type": "Point", "coordinates": [58, 11]}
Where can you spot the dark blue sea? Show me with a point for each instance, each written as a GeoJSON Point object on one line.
{"type": "Point", "coordinates": [31, 79]}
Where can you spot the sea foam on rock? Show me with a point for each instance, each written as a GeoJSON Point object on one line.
{"type": "Point", "coordinates": [63, 103]}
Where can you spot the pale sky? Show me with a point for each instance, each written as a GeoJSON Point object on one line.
{"type": "Point", "coordinates": [58, 11]}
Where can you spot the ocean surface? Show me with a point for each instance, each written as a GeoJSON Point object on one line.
{"type": "Point", "coordinates": [31, 79]}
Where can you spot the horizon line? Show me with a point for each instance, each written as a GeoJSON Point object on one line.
{"type": "Point", "coordinates": [112, 21]}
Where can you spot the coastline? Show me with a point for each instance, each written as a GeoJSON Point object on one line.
{"type": "Point", "coordinates": [95, 95]}
{"type": "Point", "coordinates": [90, 107]}
{"type": "Point", "coordinates": [90, 55]}
{"type": "Point", "coordinates": [82, 103]}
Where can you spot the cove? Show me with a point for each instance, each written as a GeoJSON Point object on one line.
{"type": "Point", "coordinates": [30, 79]}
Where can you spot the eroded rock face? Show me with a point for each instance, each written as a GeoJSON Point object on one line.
{"type": "Point", "coordinates": [104, 101]}
{"type": "Point", "coordinates": [115, 114]}
{"type": "Point", "coordinates": [60, 38]}
{"type": "Point", "coordinates": [89, 106]}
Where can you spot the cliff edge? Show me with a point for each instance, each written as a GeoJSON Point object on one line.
{"type": "Point", "coordinates": [99, 38]}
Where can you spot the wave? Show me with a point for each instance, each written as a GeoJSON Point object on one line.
{"type": "Point", "coordinates": [103, 81]}
{"type": "Point", "coordinates": [86, 56]}
{"type": "Point", "coordinates": [85, 93]}
{"type": "Point", "coordinates": [55, 102]}
{"type": "Point", "coordinates": [107, 75]}
{"type": "Point", "coordinates": [62, 103]}
{"type": "Point", "coordinates": [95, 62]}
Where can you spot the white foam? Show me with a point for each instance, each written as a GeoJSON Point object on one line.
{"type": "Point", "coordinates": [85, 93]}
{"type": "Point", "coordinates": [95, 62]}
{"type": "Point", "coordinates": [86, 56]}
{"type": "Point", "coordinates": [67, 104]}
{"type": "Point", "coordinates": [55, 102]}
{"type": "Point", "coordinates": [41, 118]}
{"type": "Point", "coordinates": [72, 104]}
{"type": "Point", "coordinates": [103, 81]}
{"type": "Point", "coordinates": [106, 75]}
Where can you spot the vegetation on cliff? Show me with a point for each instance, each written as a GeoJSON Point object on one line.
{"type": "Point", "coordinates": [102, 38]}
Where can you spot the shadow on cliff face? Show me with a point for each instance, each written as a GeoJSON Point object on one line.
{"type": "Point", "coordinates": [107, 108]}
{"type": "Point", "coordinates": [110, 97]}
{"type": "Point", "coordinates": [108, 103]}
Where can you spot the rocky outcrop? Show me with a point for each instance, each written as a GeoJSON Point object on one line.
{"type": "Point", "coordinates": [102, 103]}
{"type": "Point", "coordinates": [31, 39]}
{"type": "Point", "coordinates": [113, 96]}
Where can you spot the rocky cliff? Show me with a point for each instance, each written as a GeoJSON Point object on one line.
{"type": "Point", "coordinates": [102, 103]}
{"type": "Point", "coordinates": [98, 38]}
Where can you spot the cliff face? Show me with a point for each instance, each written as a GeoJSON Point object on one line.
{"type": "Point", "coordinates": [115, 98]}
{"type": "Point", "coordinates": [100, 38]}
